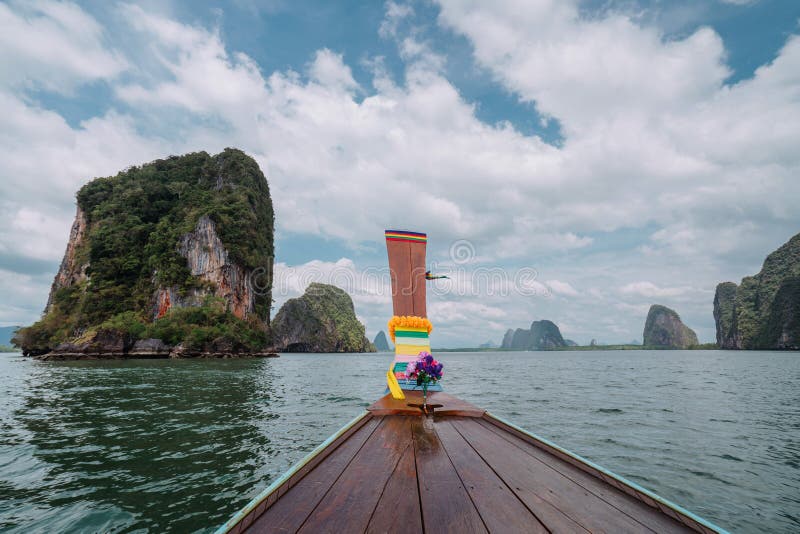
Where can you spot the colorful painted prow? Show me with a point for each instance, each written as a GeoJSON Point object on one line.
{"type": "Point", "coordinates": [409, 328]}
{"type": "Point", "coordinates": [407, 270]}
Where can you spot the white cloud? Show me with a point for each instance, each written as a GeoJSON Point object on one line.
{"type": "Point", "coordinates": [649, 289]}
{"type": "Point", "coordinates": [652, 133]}
{"type": "Point", "coordinates": [328, 69]}
{"type": "Point", "coordinates": [562, 288]}
{"type": "Point", "coordinates": [395, 13]}
{"type": "Point", "coordinates": [54, 45]}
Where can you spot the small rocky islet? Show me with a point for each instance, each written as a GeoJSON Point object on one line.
{"type": "Point", "coordinates": [323, 319]}
{"type": "Point", "coordinates": [174, 258]}
{"type": "Point", "coordinates": [542, 335]}
{"type": "Point", "coordinates": [381, 343]}
{"type": "Point", "coordinates": [664, 328]}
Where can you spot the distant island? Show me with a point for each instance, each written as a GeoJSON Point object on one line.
{"type": "Point", "coordinates": [8, 348]}
{"type": "Point", "coordinates": [763, 311]}
{"type": "Point", "coordinates": [323, 319]}
{"type": "Point", "coordinates": [664, 328]}
{"type": "Point", "coordinates": [542, 335]}
{"type": "Point", "coordinates": [381, 343]}
{"type": "Point", "coordinates": [170, 259]}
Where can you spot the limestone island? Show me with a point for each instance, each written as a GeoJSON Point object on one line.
{"type": "Point", "coordinates": [169, 259]}
{"type": "Point", "coordinates": [664, 329]}
{"type": "Point", "coordinates": [542, 335]}
{"type": "Point", "coordinates": [323, 319]}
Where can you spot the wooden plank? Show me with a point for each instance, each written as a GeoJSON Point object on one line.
{"type": "Point", "coordinates": [534, 481]}
{"type": "Point", "coordinates": [398, 509]}
{"type": "Point", "coordinates": [625, 503]}
{"type": "Point", "coordinates": [549, 515]}
{"type": "Point", "coordinates": [269, 499]}
{"type": "Point", "coordinates": [349, 503]}
{"type": "Point", "coordinates": [387, 405]}
{"type": "Point", "coordinates": [446, 506]}
{"type": "Point", "coordinates": [498, 506]}
{"type": "Point", "coordinates": [418, 281]}
{"type": "Point", "coordinates": [292, 507]}
{"type": "Point", "coordinates": [400, 273]}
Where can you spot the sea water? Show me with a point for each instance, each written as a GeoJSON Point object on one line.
{"type": "Point", "coordinates": [180, 445]}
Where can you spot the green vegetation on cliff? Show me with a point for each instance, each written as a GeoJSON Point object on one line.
{"type": "Point", "coordinates": [762, 312]}
{"type": "Point", "coordinates": [322, 320]}
{"type": "Point", "coordinates": [125, 248]}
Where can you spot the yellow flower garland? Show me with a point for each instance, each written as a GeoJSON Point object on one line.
{"type": "Point", "coordinates": [408, 321]}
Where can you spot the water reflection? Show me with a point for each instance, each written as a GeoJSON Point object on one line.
{"type": "Point", "coordinates": [141, 443]}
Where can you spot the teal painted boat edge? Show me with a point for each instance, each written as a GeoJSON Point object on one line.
{"type": "Point", "coordinates": [241, 514]}
{"type": "Point", "coordinates": [675, 507]}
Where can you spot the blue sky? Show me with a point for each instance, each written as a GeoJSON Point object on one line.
{"type": "Point", "coordinates": [627, 153]}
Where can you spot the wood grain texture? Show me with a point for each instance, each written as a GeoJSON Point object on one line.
{"type": "Point", "coordinates": [400, 273]}
{"type": "Point", "coordinates": [446, 505]}
{"type": "Point", "coordinates": [499, 507]}
{"type": "Point", "coordinates": [398, 509]}
{"type": "Point", "coordinates": [644, 513]}
{"type": "Point", "coordinates": [536, 483]}
{"type": "Point", "coordinates": [387, 405]}
{"type": "Point", "coordinates": [351, 500]}
{"type": "Point", "coordinates": [451, 473]}
{"type": "Point", "coordinates": [418, 281]}
{"type": "Point", "coordinates": [292, 507]}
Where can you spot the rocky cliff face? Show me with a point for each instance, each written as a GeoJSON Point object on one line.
{"type": "Point", "coordinates": [664, 328]}
{"type": "Point", "coordinates": [521, 339]}
{"type": "Point", "coordinates": [187, 232]}
{"type": "Point", "coordinates": [724, 316]}
{"type": "Point", "coordinates": [546, 335]}
{"type": "Point", "coordinates": [762, 311]}
{"type": "Point", "coordinates": [72, 270]}
{"type": "Point", "coordinates": [508, 339]}
{"type": "Point", "coordinates": [322, 320]}
{"type": "Point", "coordinates": [381, 343]}
{"type": "Point", "coordinates": [209, 261]}
{"type": "Point", "coordinates": [542, 335]}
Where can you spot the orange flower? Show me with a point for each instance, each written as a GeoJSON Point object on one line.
{"type": "Point", "coordinates": [408, 321]}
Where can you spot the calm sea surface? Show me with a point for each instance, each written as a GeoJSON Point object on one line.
{"type": "Point", "coordinates": [155, 446]}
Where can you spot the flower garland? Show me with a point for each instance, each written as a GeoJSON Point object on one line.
{"type": "Point", "coordinates": [408, 321]}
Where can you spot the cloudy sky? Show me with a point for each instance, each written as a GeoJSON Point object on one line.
{"type": "Point", "coordinates": [574, 161]}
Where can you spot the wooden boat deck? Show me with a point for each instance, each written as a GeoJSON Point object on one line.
{"type": "Point", "coordinates": [461, 471]}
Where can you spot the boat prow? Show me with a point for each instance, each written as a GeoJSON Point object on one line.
{"type": "Point", "coordinates": [393, 469]}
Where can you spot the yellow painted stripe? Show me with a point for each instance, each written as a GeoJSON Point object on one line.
{"type": "Point", "coordinates": [409, 329]}
{"type": "Point", "coordinates": [413, 342]}
{"type": "Point", "coordinates": [411, 349]}
{"type": "Point", "coordinates": [394, 386]}
{"type": "Point", "coordinates": [407, 236]}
